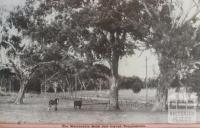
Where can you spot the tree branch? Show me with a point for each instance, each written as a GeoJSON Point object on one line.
{"type": "Point", "coordinates": [32, 68]}
{"type": "Point", "coordinates": [194, 36]}
{"type": "Point", "coordinates": [51, 77]}
{"type": "Point", "coordinates": [10, 45]}
{"type": "Point", "coordinates": [147, 9]}
{"type": "Point", "coordinates": [197, 4]}
{"type": "Point", "coordinates": [194, 15]}
{"type": "Point", "coordinates": [19, 74]}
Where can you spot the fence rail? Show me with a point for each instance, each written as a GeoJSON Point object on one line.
{"type": "Point", "coordinates": [94, 100]}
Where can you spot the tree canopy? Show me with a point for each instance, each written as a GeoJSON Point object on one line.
{"type": "Point", "coordinates": [69, 36]}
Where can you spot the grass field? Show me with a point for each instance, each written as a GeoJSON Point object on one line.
{"type": "Point", "coordinates": [34, 109]}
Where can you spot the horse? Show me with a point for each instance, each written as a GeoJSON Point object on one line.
{"type": "Point", "coordinates": [78, 103]}
{"type": "Point", "coordinates": [53, 103]}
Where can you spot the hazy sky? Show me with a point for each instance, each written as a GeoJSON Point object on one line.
{"type": "Point", "coordinates": [10, 4]}
{"type": "Point", "coordinates": [136, 65]}
{"type": "Point", "coordinates": [128, 66]}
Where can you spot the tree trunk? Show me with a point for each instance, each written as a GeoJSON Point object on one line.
{"type": "Point", "coordinates": [167, 75]}
{"type": "Point", "coordinates": [161, 96]}
{"type": "Point", "coordinates": [114, 38]}
{"type": "Point", "coordinates": [21, 93]}
{"type": "Point", "coordinates": [1, 83]}
{"type": "Point", "coordinates": [76, 85]}
{"type": "Point", "coordinates": [10, 87]}
{"type": "Point", "coordinates": [114, 105]}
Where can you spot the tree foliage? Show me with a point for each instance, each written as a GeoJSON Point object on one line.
{"type": "Point", "coordinates": [133, 83]}
{"type": "Point", "coordinates": [173, 37]}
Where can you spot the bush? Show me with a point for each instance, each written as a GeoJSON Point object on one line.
{"type": "Point", "coordinates": [133, 83]}
{"type": "Point", "coordinates": [137, 86]}
{"type": "Point", "coordinates": [175, 83]}
{"type": "Point", "coordinates": [193, 81]}
{"type": "Point", "coordinates": [50, 89]}
{"type": "Point", "coordinates": [152, 83]}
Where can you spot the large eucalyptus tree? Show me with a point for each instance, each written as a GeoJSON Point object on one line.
{"type": "Point", "coordinates": [25, 38]}
{"type": "Point", "coordinates": [173, 35]}
{"type": "Point", "coordinates": [90, 30]}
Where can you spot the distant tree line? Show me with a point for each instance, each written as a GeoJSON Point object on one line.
{"type": "Point", "coordinates": [88, 78]}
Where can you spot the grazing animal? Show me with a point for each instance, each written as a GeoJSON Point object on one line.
{"type": "Point", "coordinates": [78, 103]}
{"type": "Point", "coordinates": [53, 103]}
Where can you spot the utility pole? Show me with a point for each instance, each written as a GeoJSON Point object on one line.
{"type": "Point", "coordinates": [45, 86]}
{"type": "Point", "coordinates": [146, 81]}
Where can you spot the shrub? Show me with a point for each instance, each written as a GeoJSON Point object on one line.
{"type": "Point", "coordinates": [134, 83]}
{"type": "Point", "coordinates": [152, 83]}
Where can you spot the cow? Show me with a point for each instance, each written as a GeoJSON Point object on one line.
{"type": "Point", "coordinates": [53, 102]}
{"type": "Point", "coordinates": [78, 103]}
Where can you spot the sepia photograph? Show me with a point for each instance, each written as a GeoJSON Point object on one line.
{"type": "Point", "coordinates": [120, 63]}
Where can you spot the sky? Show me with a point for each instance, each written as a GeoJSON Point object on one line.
{"type": "Point", "coordinates": [10, 4]}
{"type": "Point", "coordinates": [136, 65]}
{"type": "Point", "coordinates": [128, 65]}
